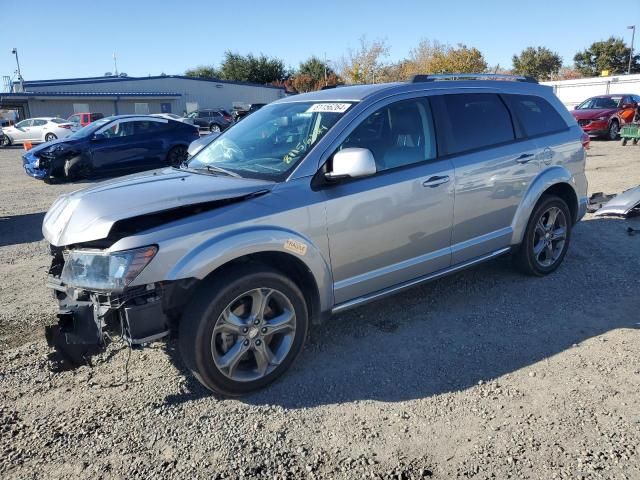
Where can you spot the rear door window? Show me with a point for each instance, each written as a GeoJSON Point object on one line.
{"type": "Point", "coordinates": [536, 115]}
{"type": "Point", "coordinates": [472, 121]}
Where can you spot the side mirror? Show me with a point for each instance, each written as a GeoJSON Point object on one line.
{"type": "Point", "coordinates": [351, 163]}
{"type": "Point", "coordinates": [98, 136]}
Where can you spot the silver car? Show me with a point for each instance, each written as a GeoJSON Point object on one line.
{"type": "Point", "coordinates": [315, 204]}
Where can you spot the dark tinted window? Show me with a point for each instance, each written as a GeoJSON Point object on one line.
{"type": "Point", "coordinates": [96, 116]}
{"type": "Point", "coordinates": [399, 134]}
{"type": "Point", "coordinates": [537, 116]}
{"type": "Point", "coordinates": [475, 120]}
{"type": "Point", "coordinates": [144, 127]}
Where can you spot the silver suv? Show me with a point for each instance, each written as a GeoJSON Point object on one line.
{"type": "Point", "coordinates": [312, 205]}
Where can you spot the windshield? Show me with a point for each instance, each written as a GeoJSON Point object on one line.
{"type": "Point", "coordinates": [599, 102]}
{"type": "Point", "coordinates": [59, 120]}
{"type": "Point", "coordinates": [271, 142]}
{"type": "Point", "coordinates": [89, 129]}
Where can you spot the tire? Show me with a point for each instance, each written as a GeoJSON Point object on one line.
{"type": "Point", "coordinates": [533, 257]}
{"type": "Point", "coordinates": [5, 141]}
{"type": "Point", "coordinates": [624, 142]}
{"type": "Point", "coordinates": [614, 130]}
{"type": "Point", "coordinates": [177, 155]}
{"type": "Point", "coordinates": [634, 141]}
{"type": "Point", "coordinates": [214, 127]}
{"type": "Point", "coordinates": [49, 137]}
{"type": "Point", "coordinates": [205, 337]}
{"type": "Point", "coordinates": [73, 172]}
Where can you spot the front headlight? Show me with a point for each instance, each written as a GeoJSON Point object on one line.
{"type": "Point", "coordinates": [604, 117]}
{"type": "Point", "coordinates": [95, 270]}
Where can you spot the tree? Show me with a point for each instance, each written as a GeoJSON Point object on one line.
{"type": "Point", "coordinates": [315, 68]}
{"type": "Point", "coordinates": [537, 62]}
{"type": "Point", "coordinates": [435, 57]}
{"type": "Point", "coordinates": [568, 73]}
{"type": "Point", "coordinates": [249, 68]}
{"type": "Point", "coordinates": [362, 65]}
{"type": "Point", "coordinates": [611, 54]}
{"type": "Point", "coordinates": [203, 71]}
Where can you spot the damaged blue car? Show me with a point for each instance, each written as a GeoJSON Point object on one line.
{"type": "Point", "coordinates": [110, 147]}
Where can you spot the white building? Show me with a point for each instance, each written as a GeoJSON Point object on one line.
{"type": "Point", "coordinates": [573, 92]}
{"type": "Point", "coordinates": [126, 95]}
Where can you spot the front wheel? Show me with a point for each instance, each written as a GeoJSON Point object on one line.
{"type": "Point", "coordinates": [177, 155]}
{"type": "Point", "coordinates": [614, 130]}
{"type": "Point", "coordinates": [4, 141]}
{"type": "Point", "coordinates": [243, 329]}
{"type": "Point", "coordinates": [215, 128]}
{"type": "Point", "coordinates": [49, 137]}
{"type": "Point", "coordinates": [546, 239]}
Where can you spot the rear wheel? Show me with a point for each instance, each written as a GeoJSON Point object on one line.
{"type": "Point", "coordinates": [546, 239]}
{"type": "Point", "coordinates": [614, 130]}
{"type": "Point", "coordinates": [215, 128]}
{"type": "Point", "coordinates": [243, 329]}
{"type": "Point", "coordinates": [177, 155]}
{"type": "Point", "coordinates": [49, 137]}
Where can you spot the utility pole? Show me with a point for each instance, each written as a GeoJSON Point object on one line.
{"type": "Point", "coordinates": [325, 69]}
{"type": "Point", "coordinates": [115, 64]}
{"type": "Point", "coordinates": [15, 52]}
{"type": "Point", "coordinates": [633, 34]}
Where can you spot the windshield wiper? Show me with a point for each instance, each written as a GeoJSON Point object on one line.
{"type": "Point", "coordinates": [212, 169]}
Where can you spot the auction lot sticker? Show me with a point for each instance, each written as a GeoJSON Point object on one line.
{"type": "Point", "coordinates": [328, 107]}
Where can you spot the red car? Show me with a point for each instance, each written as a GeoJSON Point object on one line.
{"type": "Point", "coordinates": [603, 115]}
{"type": "Point", "coordinates": [84, 119]}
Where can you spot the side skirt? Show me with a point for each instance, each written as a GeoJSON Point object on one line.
{"type": "Point", "coordinates": [356, 302]}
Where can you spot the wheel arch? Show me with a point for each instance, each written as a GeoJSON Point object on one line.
{"type": "Point", "coordinates": [307, 267]}
{"type": "Point", "coordinates": [555, 180]}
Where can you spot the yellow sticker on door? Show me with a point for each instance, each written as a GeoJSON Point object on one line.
{"type": "Point", "coordinates": [295, 246]}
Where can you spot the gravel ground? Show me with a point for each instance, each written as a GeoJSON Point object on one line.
{"type": "Point", "coordinates": [485, 374]}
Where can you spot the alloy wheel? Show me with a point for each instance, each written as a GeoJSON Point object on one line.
{"type": "Point", "coordinates": [215, 128]}
{"type": "Point", "coordinates": [614, 129]}
{"type": "Point", "coordinates": [253, 334]}
{"type": "Point", "coordinates": [177, 156]}
{"type": "Point", "coordinates": [549, 237]}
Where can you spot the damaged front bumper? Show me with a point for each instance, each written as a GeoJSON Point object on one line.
{"type": "Point", "coordinates": [31, 165]}
{"type": "Point", "coordinates": [89, 320]}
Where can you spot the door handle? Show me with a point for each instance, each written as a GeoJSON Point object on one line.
{"type": "Point", "coordinates": [524, 158]}
{"type": "Point", "coordinates": [435, 181]}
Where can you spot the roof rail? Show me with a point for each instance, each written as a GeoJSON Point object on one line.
{"type": "Point", "coordinates": [470, 76]}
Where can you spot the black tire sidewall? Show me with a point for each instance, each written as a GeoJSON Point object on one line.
{"type": "Point", "coordinates": [527, 260]}
{"type": "Point", "coordinates": [50, 137]}
{"type": "Point", "coordinates": [610, 129]}
{"type": "Point", "coordinates": [199, 319]}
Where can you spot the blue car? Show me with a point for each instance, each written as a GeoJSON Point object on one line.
{"type": "Point", "coordinates": [112, 146]}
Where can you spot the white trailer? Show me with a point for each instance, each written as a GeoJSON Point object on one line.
{"type": "Point", "coordinates": [574, 92]}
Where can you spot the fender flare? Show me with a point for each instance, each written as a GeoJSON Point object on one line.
{"type": "Point", "coordinates": [222, 249]}
{"type": "Point", "coordinates": [546, 179]}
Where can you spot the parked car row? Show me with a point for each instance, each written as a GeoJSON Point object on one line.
{"type": "Point", "coordinates": [604, 115]}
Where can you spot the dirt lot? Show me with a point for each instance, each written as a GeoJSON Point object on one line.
{"type": "Point", "coordinates": [486, 374]}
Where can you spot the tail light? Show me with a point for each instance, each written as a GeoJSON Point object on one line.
{"type": "Point", "coordinates": [585, 139]}
{"type": "Point", "coordinates": [66, 125]}
{"type": "Point", "coordinates": [227, 118]}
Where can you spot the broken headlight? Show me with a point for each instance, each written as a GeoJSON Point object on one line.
{"type": "Point", "coordinates": [96, 270]}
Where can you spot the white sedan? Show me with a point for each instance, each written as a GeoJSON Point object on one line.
{"type": "Point", "coordinates": [37, 130]}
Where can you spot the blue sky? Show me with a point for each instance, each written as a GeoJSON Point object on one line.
{"type": "Point", "coordinates": [78, 38]}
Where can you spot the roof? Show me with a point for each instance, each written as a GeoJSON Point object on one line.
{"type": "Point", "coordinates": [358, 93]}
{"type": "Point", "coordinates": [89, 80]}
{"type": "Point", "coordinates": [89, 94]}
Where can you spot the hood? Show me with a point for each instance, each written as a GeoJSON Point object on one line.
{"type": "Point", "coordinates": [89, 214]}
{"type": "Point", "coordinates": [48, 146]}
{"type": "Point", "coordinates": [588, 114]}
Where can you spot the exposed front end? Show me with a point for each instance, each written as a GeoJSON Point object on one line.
{"type": "Point", "coordinates": [96, 303]}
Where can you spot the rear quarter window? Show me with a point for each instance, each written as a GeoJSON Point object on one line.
{"type": "Point", "coordinates": [473, 121]}
{"type": "Point", "coordinates": [536, 115]}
